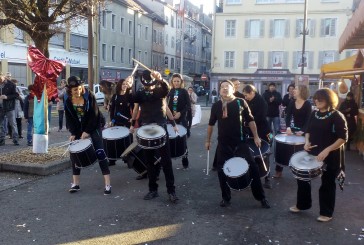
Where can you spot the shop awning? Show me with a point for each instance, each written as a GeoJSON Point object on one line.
{"type": "Point", "coordinates": [353, 35]}
{"type": "Point", "coordinates": [347, 68]}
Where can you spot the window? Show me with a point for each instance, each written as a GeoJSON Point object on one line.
{"type": "Point", "coordinates": [57, 40]}
{"type": "Point", "coordinates": [122, 55]}
{"type": "Point", "coordinates": [146, 30]}
{"type": "Point", "coordinates": [229, 59]}
{"type": "Point", "coordinates": [173, 42]}
{"type": "Point", "coordinates": [278, 28]}
{"type": "Point", "coordinates": [18, 35]}
{"type": "Point", "coordinates": [154, 36]}
{"type": "Point", "coordinates": [139, 55]}
{"type": "Point", "coordinates": [277, 60]}
{"type": "Point", "coordinates": [103, 19]}
{"type": "Point", "coordinates": [328, 57]}
{"type": "Point", "coordinates": [309, 28]}
{"type": "Point", "coordinates": [160, 38]}
{"type": "Point", "coordinates": [328, 27]}
{"type": "Point", "coordinates": [130, 55]}
{"type": "Point", "coordinates": [113, 22]}
{"type": "Point", "coordinates": [172, 21]}
{"type": "Point", "coordinates": [145, 57]}
{"type": "Point", "coordinates": [233, 1]}
{"type": "Point", "coordinates": [254, 28]}
{"type": "Point", "coordinates": [172, 63]}
{"type": "Point", "coordinates": [302, 62]}
{"type": "Point", "coordinates": [166, 40]}
{"type": "Point", "coordinates": [139, 31]}
{"type": "Point", "coordinates": [113, 53]}
{"type": "Point", "coordinates": [103, 52]}
{"type": "Point", "coordinates": [121, 24]}
{"type": "Point", "coordinates": [230, 28]}
{"type": "Point", "coordinates": [78, 42]}
{"type": "Point", "coordinates": [253, 58]}
{"type": "Point", "coordinates": [130, 28]}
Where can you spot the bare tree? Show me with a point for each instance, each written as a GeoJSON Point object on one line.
{"type": "Point", "coordinates": [42, 19]}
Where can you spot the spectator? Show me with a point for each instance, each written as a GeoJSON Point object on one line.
{"type": "Point", "coordinates": [60, 103]}
{"type": "Point", "coordinates": [350, 110]}
{"type": "Point", "coordinates": [28, 114]}
{"type": "Point", "coordinates": [213, 95]}
{"type": "Point", "coordinates": [237, 93]}
{"type": "Point", "coordinates": [273, 99]}
{"type": "Point", "coordinates": [289, 96]}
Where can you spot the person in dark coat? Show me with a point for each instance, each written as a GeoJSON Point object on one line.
{"type": "Point", "coordinates": [350, 110]}
{"type": "Point", "coordinates": [288, 96]}
{"type": "Point", "coordinates": [274, 100]}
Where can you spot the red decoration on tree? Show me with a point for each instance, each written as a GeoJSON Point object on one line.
{"type": "Point", "coordinates": [47, 71]}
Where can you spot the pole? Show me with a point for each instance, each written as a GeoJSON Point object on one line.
{"type": "Point", "coordinates": [304, 32]}
{"type": "Point", "coordinates": [182, 42]}
{"type": "Point", "coordinates": [90, 46]}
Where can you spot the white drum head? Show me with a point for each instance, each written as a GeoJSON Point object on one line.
{"type": "Point", "coordinates": [182, 131]}
{"type": "Point", "coordinates": [115, 133]}
{"type": "Point", "coordinates": [303, 161]}
{"type": "Point", "coordinates": [151, 132]}
{"type": "Point", "coordinates": [290, 139]}
{"type": "Point", "coordinates": [235, 167]}
{"type": "Point", "coordinates": [80, 145]}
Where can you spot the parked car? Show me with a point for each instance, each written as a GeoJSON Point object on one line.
{"type": "Point", "coordinates": [23, 91]}
{"type": "Point", "coordinates": [98, 94]}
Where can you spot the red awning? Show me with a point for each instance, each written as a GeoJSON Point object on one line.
{"type": "Point", "coordinates": [353, 35]}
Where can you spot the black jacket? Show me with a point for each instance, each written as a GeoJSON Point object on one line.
{"type": "Point", "coordinates": [9, 90]}
{"type": "Point", "coordinates": [259, 107]}
{"type": "Point", "coordinates": [273, 107]}
{"type": "Point", "coordinates": [183, 103]}
{"type": "Point", "coordinates": [89, 122]}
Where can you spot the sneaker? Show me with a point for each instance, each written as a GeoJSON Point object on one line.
{"type": "Point", "coordinates": [21, 137]}
{"type": "Point", "coordinates": [224, 203]}
{"type": "Point", "coordinates": [172, 197]}
{"type": "Point", "coordinates": [140, 177]}
{"type": "Point", "coordinates": [322, 218]}
{"type": "Point", "coordinates": [16, 143]}
{"type": "Point", "coordinates": [107, 190]}
{"type": "Point", "coordinates": [74, 188]}
{"type": "Point", "coordinates": [151, 195]}
{"type": "Point", "coordinates": [185, 162]}
{"type": "Point", "coordinates": [294, 209]}
{"type": "Point", "coordinates": [30, 143]}
{"type": "Point", "coordinates": [265, 203]}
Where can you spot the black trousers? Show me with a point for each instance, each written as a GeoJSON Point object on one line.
{"type": "Point", "coordinates": [183, 121]}
{"type": "Point", "coordinates": [327, 193]}
{"type": "Point", "coordinates": [189, 121]}
{"type": "Point", "coordinates": [153, 169]}
{"type": "Point", "coordinates": [224, 153]}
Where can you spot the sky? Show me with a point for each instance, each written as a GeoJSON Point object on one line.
{"type": "Point", "coordinates": [207, 4]}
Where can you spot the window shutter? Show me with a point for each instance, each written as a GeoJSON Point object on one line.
{"type": "Point", "coordinates": [310, 60]}
{"type": "Point", "coordinates": [298, 29]}
{"type": "Point", "coordinates": [321, 57]}
{"type": "Point", "coordinates": [285, 60]}
{"type": "Point", "coordinates": [322, 28]}
{"type": "Point", "coordinates": [246, 59]}
{"type": "Point", "coordinates": [295, 60]}
{"type": "Point", "coordinates": [261, 59]}
{"type": "Point", "coordinates": [262, 28]}
{"type": "Point", "coordinates": [312, 27]}
{"type": "Point", "coordinates": [286, 28]}
{"type": "Point", "coordinates": [271, 28]}
{"type": "Point", "coordinates": [333, 28]}
{"type": "Point", "coordinates": [270, 55]}
{"type": "Point", "coordinates": [247, 28]}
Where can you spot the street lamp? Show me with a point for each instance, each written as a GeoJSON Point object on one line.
{"type": "Point", "coordinates": [90, 70]}
{"type": "Point", "coordinates": [304, 33]}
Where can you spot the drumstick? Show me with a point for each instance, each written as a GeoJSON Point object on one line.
{"type": "Point", "coordinates": [313, 146]}
{"type": "Point", "coordinates": [69, 142]}
{"type": "Point", "coordinates": [140, 63]}
{"type": "Point", "coordinates": [135, 68]}
{"type": "Point", "coordinates": [66, 150]}
{"type": "Point", "coordinates": [208, 162]}
{"type": "Point", "coordinates": [121, 115]}
{"type": "Point", "coordinates": [265, 167]}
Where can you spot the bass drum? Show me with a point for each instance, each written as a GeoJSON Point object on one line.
{"type": "Point", "coordinates": [177, 142]}
{"type": "Point", "coordinates": [116, 140]}
{"type": "Point", "coordinates": [82, 153]}
{"type": "Point", "coordinates": [286, 146]}
{"type": "Point", "coordinates": [236, 170]}
{"type": "Point", "coordinates": [151, 136]}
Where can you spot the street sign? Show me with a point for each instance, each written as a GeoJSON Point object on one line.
{"type": "Point", "coordinates": [167, 71]}
{"type": "Point", "coordinates": [203, 77]}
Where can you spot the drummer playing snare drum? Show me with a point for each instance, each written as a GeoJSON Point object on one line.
{"type": "Point", "coordinates": [325, 137]}
{"type": "Point", "coordinates": [230, 113]}
{"type": "Point", "coordinates": [152, 103]}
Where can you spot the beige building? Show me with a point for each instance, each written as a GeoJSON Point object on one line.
{"type": "Point", "coordinates": [260, 41]}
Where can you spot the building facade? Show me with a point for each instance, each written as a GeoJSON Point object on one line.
{"type": "Point", "coordinates": [260, 41]}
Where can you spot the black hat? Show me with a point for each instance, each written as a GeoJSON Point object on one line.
{"type": "Point", "coordinates": [74, 81]}
{"type": "Point", "coordinates": [146, 79]}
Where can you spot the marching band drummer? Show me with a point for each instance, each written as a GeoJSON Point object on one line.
{"type": "Point", "coordinates": [83, 120]}
{"type": "Point", "coordinates": [230, 113]}
{"type": "Point", "coordinates": [259, 107]}
{"type": "Point", "coordinates": [179, 103]}
{"type": "Point", "coordinates": [121, 106]}
{"type": "Point", "coordinates": [325, 137]}
{"type": "Point", "coordinates": [152, 102]}
{"type": "Point", "coordinates": [299, 110]}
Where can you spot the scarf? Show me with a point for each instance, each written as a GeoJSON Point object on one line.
{"type": "Point", "coordinates": [224, 105]}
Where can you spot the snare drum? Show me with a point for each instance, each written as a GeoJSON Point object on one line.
{"type": "Point", "coordinates": [305, 166]}
{"type": "Point", "coordinates": [286, 146]}
{"type": "Point", "coordinates": [151, 137]}
{"type": "Point", "coordinates": [236, 170]}
{"type": "Point", "coordinates": [82, 153]}
{"type": "Point", "coordinates": [265, 149]}
{"type": "Point", "coordinates": [177, 143]}
{"type": "Point", "coordinates": [116, 140]}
